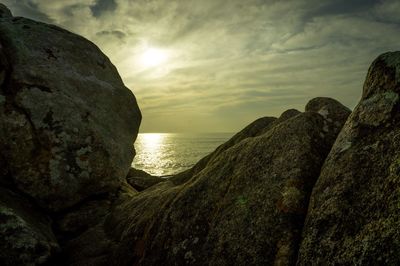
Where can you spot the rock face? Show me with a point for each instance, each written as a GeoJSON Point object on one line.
{"type": "Point", "coordinates": [353, 216]}
{"type": "Point", "coordinates": [4, 11]}
{"type": "Point", "coordinates": [256, 128]}
{"type": "Point", "coordinates": [67, 122]}
{"type": "Point", "coordinates": [140, 180]}
{"type": "Point", "coordinates": [252, 130]}
{"type": "Point", "coordinates": [26, 237]}
{"type": "Point", "coordinates": [67, 127]}
{"type": "Point", "coordinates": [245, 207]}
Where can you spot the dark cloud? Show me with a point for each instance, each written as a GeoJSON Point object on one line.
{"type": "Point", "coordinates": [116, 33]}
{"type": "Point", "coordinates": [71, 9]}
{"type": "Point", "coordinates": [341, 7]}
{"type": "Point", "coordinates": [102, 6]}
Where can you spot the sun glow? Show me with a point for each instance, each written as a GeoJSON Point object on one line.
{"type": "Point", "coordinates": [153, 153]}
{"type": "Point", "coordinates": [153, 57]}
{"type": "Point", "coordinates": [152, 141]}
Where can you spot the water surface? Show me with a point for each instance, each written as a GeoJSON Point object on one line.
{"type": "Point", "coordinates": [170, 153]}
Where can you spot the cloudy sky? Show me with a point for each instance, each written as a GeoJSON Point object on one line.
{"type": "Point", "coordinates": [217, 65]}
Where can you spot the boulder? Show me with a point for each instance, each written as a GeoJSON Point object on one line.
{"type": "Point", "coordinates": [140, 180]}
{"type": "Point", "coordinates": [26, 237]}
{"type": "Point", "coordinates": [245, 207]}
{"type": "Point", "coordinates": [253, 129]}
{"type": "Point", "coordinates": [67, 122]}
{"type": "Point", "coordinates": [353, 216]}
{"type": "Point", "coordinates": [86, 233]}
{"type": "Point", "coordinates": [4, 11]}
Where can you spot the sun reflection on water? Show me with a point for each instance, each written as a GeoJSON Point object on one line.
{"type": "Point", "coordinates": [165, 154]}
{"type": "Point", "coordinates": [152, 142]}
{"type": "Point", "coordinates": [151, 146]}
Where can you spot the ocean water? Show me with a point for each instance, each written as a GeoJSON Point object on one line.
{"type": "Point", "coordinates": [170, 153]}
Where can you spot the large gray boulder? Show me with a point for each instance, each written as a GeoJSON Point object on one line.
{"type": "Point", "coordinates": [67, 122]}
{"type": "Point", "coordinates": [245, 207]}
{"type": "Point", "coordinates": [354, 212]}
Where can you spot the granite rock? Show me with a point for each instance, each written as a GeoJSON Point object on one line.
{"type": "Point", "coordinates": [245, 207]}
{"type": "Point", "coordinates": [140, 180]}
{"type": "Point", "coordinates": [67, 122]}
{"type": "Point", "coordinates": [353, 217]}
{"type": "Point", "coordinates": [26, 236]}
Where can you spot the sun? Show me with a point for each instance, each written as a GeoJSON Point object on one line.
{"type": "Point", "coordinates": [153, 57]}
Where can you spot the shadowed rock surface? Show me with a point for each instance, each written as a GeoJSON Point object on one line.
{"type": "Point", "coordinates": [140, 180]}
{"type": "Point", "coordinates": [246, 207]}
{"type": "Point", "coordinates": [256, 128]}
{"type": "Point", "coordinates": [353, 217]}
{"type": "Point", "coordinates": [67, 122]}
{"type": "Point", "coordinates": [67, 127]}
{"type": "Point", "coordinates": [252, 130]}
{"type": "Point", "coordinates": [26, 236]}
{"type": "Point", "coordinates": [4, 11]}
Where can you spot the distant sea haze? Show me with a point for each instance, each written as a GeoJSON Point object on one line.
{"type": "Point", "coordinates": [164, 154]}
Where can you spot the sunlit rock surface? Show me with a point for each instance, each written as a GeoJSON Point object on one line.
{"type": "Point", "coordinates": [354, 214]}
{"type": "Point", "coordinates": [67, 122]}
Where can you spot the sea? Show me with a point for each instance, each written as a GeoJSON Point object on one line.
{"type": "Point", "coordinates": [164, 154]}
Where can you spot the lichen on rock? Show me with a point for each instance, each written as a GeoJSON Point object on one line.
{"type": "Point", "coordinates": [67, 127]}
{"type": "Point", "coordinates": [81, 98]}
{"type": "Point", "coordinates": [245, 206]}
{"type": "Point", "coordinates": [26, 236]}
{"type": "Point", "coordinates": [354, 207]}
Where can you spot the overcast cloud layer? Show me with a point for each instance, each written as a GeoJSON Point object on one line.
{"type": "Point", "coordinates": [230, 62]}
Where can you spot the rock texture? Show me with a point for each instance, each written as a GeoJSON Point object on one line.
{"type": "Point", "coordinates": [252, 130]}
{"type": "Point", "coordinates": [245, 207]}
{"type": "Point", "coordinates": [256, 128]}
{"type": "Point", "coordinates": [67, 122]}
{"type": "Point", "coordinates": [353, 217]}
{"type": "Point", "coordinates": [26, 236]}
{"type": "Point", "coordinates": [140, 180]}
{"type": "Point", "coordinates": [67, 127]}
{"type": "Point", "coordinates": [4, 11]}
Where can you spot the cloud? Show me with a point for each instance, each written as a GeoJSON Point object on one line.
{"type": "Point", "coordinates": [342, 7]}
{"type": "Point", "coordinates": [102, 6]}
{"type": "Point", "coordinates": [230, 62]}
{"type": "Point", "coordinates": [116, 33]}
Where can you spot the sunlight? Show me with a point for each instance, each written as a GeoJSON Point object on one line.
{"type": "Point", "coordinates": [152, 141]}
{"type": "Point", "coordinates": [152, 57]}
{"type": "Point", "coordinates": [151, 149]}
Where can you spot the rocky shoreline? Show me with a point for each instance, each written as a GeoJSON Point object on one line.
{"type": "Point", "coordinates": [319, 187]}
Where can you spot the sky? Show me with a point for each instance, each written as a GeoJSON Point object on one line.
{"type": "Point", "coordinates": [217, 65]}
